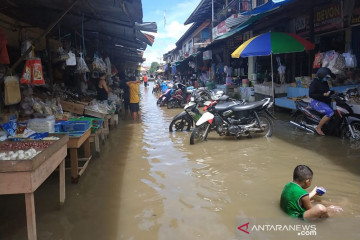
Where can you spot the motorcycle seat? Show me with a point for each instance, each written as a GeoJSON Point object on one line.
{"type": "Point", "coordinates": [225, 106]}
{"type": "Point", "coordinates": [248, 106]}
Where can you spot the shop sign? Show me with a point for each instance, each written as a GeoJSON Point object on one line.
{"type": "Point", "coordinates": [355, 18]}
{"type": "Point", "coordinates": [328, 17]}
{"type": "Point", "coordinates": [302, 25]}
{"type": "Point", "coordinates": [207, 55]}
{"type": "Point", "coordinates": [220, 29]}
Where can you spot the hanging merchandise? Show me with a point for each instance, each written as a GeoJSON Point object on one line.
{"type": "Point", "coordinates": [4, 56]}
{"type": "Point", "coordinates": [12, 90]}
{"type": "Point", "coordinates": [98, 65]}
{"type": "Point", "coordinates": [61, 55]}
{"type": "Point", "coordinates": [33, 72]}
{"type": "Point", "coordinates": [71, 61]}
{"type": "Point", "coordinates": [281, 70]}
{"type": "Point", "coordinates": [114, 70]}
{"type": "Point", "coordinates": [26, 76]}
{"type": "Point", "coordinates": [108, 66]}
{"type": "Point", "coordinates": [318, 60]}
{"type": "Point", "coordinates": [25, 45]}
{"type": "Point", "coordinates": [37, 77]}
{"type": "Point", "coordinates": [81, 65]}
{"type": "Point", "coordinates": [350, 59]}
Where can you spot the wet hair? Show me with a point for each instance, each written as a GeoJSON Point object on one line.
{"type": "Point", "coordinates": [302, 173]}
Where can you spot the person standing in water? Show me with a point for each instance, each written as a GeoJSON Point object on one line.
{"type": "Point", "coordinates": [134, 98]}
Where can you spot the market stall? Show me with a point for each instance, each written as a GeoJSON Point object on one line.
{"type": "Point", "coordinates": [25, 165]}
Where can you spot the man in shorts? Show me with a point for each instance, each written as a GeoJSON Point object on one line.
{"type": "Point", "coordinates": [134, 98]}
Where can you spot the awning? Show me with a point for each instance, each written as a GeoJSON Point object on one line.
{"type": "Point", "coordinates": [240, 27]}
{"type": "Point", "coordinates": [269, 6]}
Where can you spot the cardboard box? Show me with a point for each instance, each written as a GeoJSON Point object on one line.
{"type": "Point", "coordinates": [77, 108]}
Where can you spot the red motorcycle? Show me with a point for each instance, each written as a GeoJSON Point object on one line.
{"type": "Point", "coordinates": [180, 97]}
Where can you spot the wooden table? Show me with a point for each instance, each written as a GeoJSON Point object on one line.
{"type": "Point", "coordinates": [25, 176]}
{"type": "Point", "coordinates": [73, 145]}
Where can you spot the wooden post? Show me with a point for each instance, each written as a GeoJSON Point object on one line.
{"type": "Point", "coordinates": [74, 165]}
{"type": "Point", "coordinates": [30, 216]}
{"type": "Point", "coordinates": [49, 65]}
{"type": "Point", "coordinates": [62, 182]}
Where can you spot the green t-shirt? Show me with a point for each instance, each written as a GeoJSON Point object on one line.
{"type": "Point", "coordinates": [290, 199]}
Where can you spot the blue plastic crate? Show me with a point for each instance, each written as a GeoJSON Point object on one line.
{"type": "Point", "coordinates": [75, 126]}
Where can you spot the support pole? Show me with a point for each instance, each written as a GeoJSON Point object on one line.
{"type": "Point", "coordinates": [272, 79]}
{"type": "Point", "coordinates": [37, 41]}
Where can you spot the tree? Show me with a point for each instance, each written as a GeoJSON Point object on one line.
{"type": "Point", "coordinates": [154, 66]}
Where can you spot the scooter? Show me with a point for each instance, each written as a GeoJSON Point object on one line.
{"type": "Point", "coordinates": [343, 123]}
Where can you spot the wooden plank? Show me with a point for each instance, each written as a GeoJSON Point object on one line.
{"type": "Point", "coordinates": [30, 216]}
{"type": "Point", "coordinates": [77, 108]}
{"type": "Point", "coordinates": [83, 168]}
{"type": "Point", "coordinates": [27, 182]}
{"type": "Point", "coordinates": [87, 151]}
{"type": "Point", "coordinates": [31, 164]}
{"type": "Point", "coordinates": [76, 142]}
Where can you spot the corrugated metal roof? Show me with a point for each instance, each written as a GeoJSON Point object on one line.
{"type": "Point", "coordinates": [203, 11]}
{"type": "Point", "coordinates": [109, 21]}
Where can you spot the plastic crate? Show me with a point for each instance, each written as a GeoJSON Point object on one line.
{"type": "Point", "coordinates": [95, 123]}
{"type": "Point", "coordinates": [75, 126]}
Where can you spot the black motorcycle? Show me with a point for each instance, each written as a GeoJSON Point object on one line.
{"type": "Point", "coordinates": [235, 119]}
{"type": "Point", "coordinates": [191, 114]}
{"type": "Point", "coordinates": [344, 123]}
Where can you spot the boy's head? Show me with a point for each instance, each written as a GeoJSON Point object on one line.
{"type": "Point", "coordinates": [302, 173]}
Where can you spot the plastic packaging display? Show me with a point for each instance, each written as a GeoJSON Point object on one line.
{"type": "Point", "coordinates": [350, 59]}
{"type": "Point", "coordinates": [81, 65]}
{"type": "Point", "coordinates": [12, 90]}
{"type": "Point", "coordinates": [19, 155]}
{"type": "Point", "coordinates": [71, 61]}
{"type": "Point", "coordinates": [42, 124]}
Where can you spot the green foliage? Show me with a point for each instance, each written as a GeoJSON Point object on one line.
{"type": "Point", "coordinates": [154, 66]}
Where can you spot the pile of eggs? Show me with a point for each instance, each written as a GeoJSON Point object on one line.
{"type": "Point", "coordinates": [19, 155]}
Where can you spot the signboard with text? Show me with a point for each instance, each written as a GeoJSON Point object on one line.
{"type": "Point", "coordinates": [328, 17]}
{"type": "Point", "coordinates": [355, 18]}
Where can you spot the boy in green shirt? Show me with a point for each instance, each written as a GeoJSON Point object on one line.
{"type": "Point", "coordinates": [295, 201]}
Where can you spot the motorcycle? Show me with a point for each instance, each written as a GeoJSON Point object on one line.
{"type": "Point", "coordinates": [164, 98]}
{"type": "Point", "coordinates": [180, 98]}
{"type": "Point", "coordinates": [235, 119]}
{"type": "Point", "coordinates": [187, 118]}
{"type": "Point", "coordinates": [343, 123]}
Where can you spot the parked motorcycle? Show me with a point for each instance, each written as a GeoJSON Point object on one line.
{"type": "Point", "coordinates": [180, 98]}
{"type": "Point", "coordinates": [164, 98]}
{"type": "Point", "coordinates": [187, 118]}
{"type": "Point", "coordinates": [343, 123]}
{"type": "Point", "coordinates": [235, 119]}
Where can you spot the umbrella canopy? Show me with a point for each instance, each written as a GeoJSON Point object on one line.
{"type": "Point", "coordinates": [272, 43]}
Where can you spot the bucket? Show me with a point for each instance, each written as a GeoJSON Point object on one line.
{"type": "Point", "coordinates": [245, 82]}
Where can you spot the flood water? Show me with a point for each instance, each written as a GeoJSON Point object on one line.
{"type": "Point", "coordinates": [152, 184]}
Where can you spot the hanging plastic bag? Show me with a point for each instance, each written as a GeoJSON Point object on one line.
{"type": "Point", "coordinates": [37, 77]}
{"type": "Point", "coordinates": [71, 61]}
{"type": "Point", "coordinates": [25, 45]}
{"type": "Point", "coordinates": [108, 66]}
{"type": "Point", "coordinates": [81, 65]}
{"type": "Point", "coordinates": [26, 76]}
{"type": "Point", "coordinates": [12, 90]}
{"type": "Point", "coordinates": [318, 60]}
{"type": "Point", "coordinates": [350, 59]}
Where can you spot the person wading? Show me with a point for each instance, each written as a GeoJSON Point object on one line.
{"type": "Point", "coordinates": [134, 98]}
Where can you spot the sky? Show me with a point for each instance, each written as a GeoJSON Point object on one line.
{"type": "Point", "coordinates": [176, 12]}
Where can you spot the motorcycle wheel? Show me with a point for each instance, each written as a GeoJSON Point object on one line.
{"type": "Point", "coordinates": [299, 119]}
{"type": "Point", "coordinates": [180, 124]}
{"type": "Point", "coordinates": [158, 102]}
{"type": "Point", "coordinates": [171, 104]}
{"type": "Point", "coordinates": [266, 125]}
{"type": "Point", "coordinates": [346, 134]}
{"type": "Point", "coordinates": [199, 133]}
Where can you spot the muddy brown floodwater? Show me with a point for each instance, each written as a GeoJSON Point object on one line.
{"type": "Point", "coordinates": [152, 184]}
